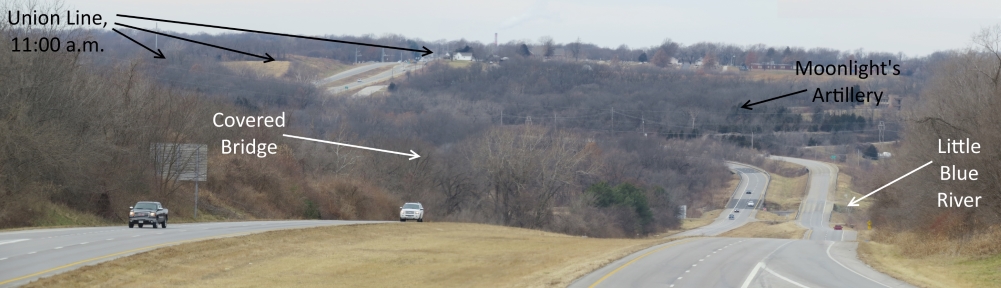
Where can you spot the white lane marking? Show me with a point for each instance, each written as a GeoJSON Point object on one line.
{"type": "Point", "coordinates": [686, 271]}
{"type": "Point", "coordinates": [84, 243]}
{"type": "Point", "coordinates": [32, 252]}
{"type": "Point", "coordinates": [60, 247]}
{"type": "Point", "coordinates": [134, 236]}
{"type": "Point", "coordinates": [849, 269]}
{"type": "Point", "coordinates": [679, 278]}
{"type": "Point", "coordinates": [13, 241]}
{"type": "Point", "coordinates": [782, 277]}
{"type": "Point", "coordinates": [4, 258]}
{"type": "Point", "coordinates": [753, 273]}
{"type": "Point", "coordinates": [109, 239]}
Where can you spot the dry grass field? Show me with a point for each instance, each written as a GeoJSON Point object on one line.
{"type": "Point", "coordinates": [373, 255]}
{"type": "Point", "coordinates": [785, 193]}
{"type": "Point", "coordinates": [274, 69]}
{"type": "Point", "coordinates": [707, 217]}
{"type": "Point", "coordinates": [920, 262]}
{"type": "Point", "coordinates": [767, 229]}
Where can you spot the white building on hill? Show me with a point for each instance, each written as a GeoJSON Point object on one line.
{"type": "Point", "coordinates": [463, 56]}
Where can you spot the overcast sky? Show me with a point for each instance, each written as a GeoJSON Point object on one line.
{"type": "Point", "coordinates": [914, 27]}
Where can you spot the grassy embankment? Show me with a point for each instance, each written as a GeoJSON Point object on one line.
{"type": "Point", "coordinates": [933, 262]}
{"type": "Point", "coordinates": [707, 217]}
{"type": "Point", "coordinates": [374, 255]}
{"type": "Point", "coordinates": [921, 261]}
{"type": "Point", "coordinates": [784, 194]}
{"type": "Point", "coordinates": [273, 69]}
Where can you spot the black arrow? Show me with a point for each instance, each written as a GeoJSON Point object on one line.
{"type": "Point", "coordinates": [267, 58]}
{"type": "Point", "coordinates": [747, 105]}
{"type": "Point", "coordinates": [426, 51]}
{"type": "Point", "coordinates": [159, 55]}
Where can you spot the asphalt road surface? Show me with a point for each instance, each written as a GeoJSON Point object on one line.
{"type": "Point", "coordinates": [352, 72]}
{"type": "Point", "coordinates": [822, 261]}
{"type": "Point", "coordinates": [815, 210]}
{"type": "Point", "coordinates": [752, 180]}
{"type": "Point", "coordinates": [30, 254]}
{"type": "Point", "coordinates": [398, 70]}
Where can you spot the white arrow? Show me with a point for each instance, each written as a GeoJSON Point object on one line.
{"type": "Point", "coordinates": [855, 202]}
{"type": "Point", "coordinates": [413, 155]}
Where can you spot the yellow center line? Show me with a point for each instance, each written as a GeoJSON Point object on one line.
{"type": "Point", "coordinates": [667, 245]}
{"type": "Point", "coordinates": [118, 254]}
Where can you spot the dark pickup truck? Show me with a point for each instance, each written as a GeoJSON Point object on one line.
{"type": "Point", "coordinates": [146, 212]}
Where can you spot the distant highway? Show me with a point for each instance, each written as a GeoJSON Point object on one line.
{"type": "Point", "coordinates": [30, 254]}
{"type": "Point", "coordinates": [822, 261]}
{"type": "Point", "coordinates": [352, 72]}
{"type": "Point", "coordinates": [397, 69]}
{"type": "Point", "coordinates": [751, 179]}
{"type": "Point", "coordinates": [815, 210]}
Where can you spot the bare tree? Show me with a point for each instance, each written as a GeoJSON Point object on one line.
{"type": "Point", "coordinates": [548, 46]}
{"type": "Point", "coordinates": [575, 49]}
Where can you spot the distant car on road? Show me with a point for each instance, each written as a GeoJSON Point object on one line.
{"type": "Point", "coordinates": [837, 227]}
{"type": "Point", "coordinates": [731, 216]}
{"type": "Point", "coordinates": [748, 192]}
{"type": "Point", "coordinates": [736, 210]}
{"type": "Point", "coordinates": [750, 203]}
{"type": "Point", "coordinates": [147, 212]}
{"type": "Point", "coordinates": [359, 80]}
{"type": "Point", "coordinates": [412, 211]}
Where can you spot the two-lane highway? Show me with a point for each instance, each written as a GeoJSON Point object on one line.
{"type": "Point", "coordinates": [30, 254]}
{"type": "Point", "coordinates": [815, 210]}
{"type": "Point", "coordinates": [822, 261]}
{"type": "Point", "coordinates": [751, 180]}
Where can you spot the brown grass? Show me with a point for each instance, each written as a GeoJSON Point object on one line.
{"type": "Point", "coordinates": [723, 196]}
{"type": "Point", "coordinates": [317, 68]}
{"type": "Point", "coordinates": [783, 168]}
{"type": "Point", "coordinates": [767, 229]}
{"type": "Point", "coordinates": [273, 69]}
{"type": "Point", "coordinates": [918, 260]}
{"type": "Point", "coordinates": [707, 217]}
{"type": "Point", "coordinates": [785, 194]}
{"type": "Point", "coordinates": [376, 255]}
{"type": "Point", "coordinates": [459, 64]}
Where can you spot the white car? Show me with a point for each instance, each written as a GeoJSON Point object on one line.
{"type": "Point", "coordinates": [412, 211]}
{"type": "Point", "coordinates": [750, 203]}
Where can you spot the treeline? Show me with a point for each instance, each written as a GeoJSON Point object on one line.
{"type": "Point", "coordinates": [570, 146]}
{"type": "Point", "coordinates": [960, 102]}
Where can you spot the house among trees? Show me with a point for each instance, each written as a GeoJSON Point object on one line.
{"type": "Point", "coordinates": [770, 66]}
{"type": "Point", "coordinates": [463, 56]}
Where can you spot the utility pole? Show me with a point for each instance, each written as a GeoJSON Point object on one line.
{"type": "Point", "coordinates": [643, 123]}
{"type": "Point", "coordinates": [858, 158]}
{"type": "Point", "coordinates": [881, 127]}
{"type": "Point", "coordinates": [156, 41]}
{"type": "Point", "coordinates": [356, 55]}
{"type": "Point", "coordinates": [554, 119]}
{"type": "Point", "coordinates": [752, 139]}
{"type": "Point", "coordinates": [197, 162]}
{"type": "Point", "coordinates": [613, 120]}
